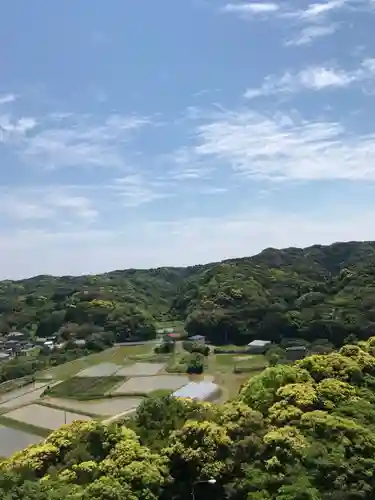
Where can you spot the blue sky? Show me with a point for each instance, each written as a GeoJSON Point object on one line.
{"type": "Point", "coordinates": [143, 133]}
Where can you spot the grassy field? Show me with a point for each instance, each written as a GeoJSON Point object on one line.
{"type": "Point", "coordinates": [84, 388]}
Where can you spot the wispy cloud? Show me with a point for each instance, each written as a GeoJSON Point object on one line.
{"type": "Point", "coordinates": [313, 78]}
{"type": "Point", "coordinates": [134, 190]}
{"type": "Point", "coordinates": [281, 148]}
{"type": "Point", "coordinates": [315, 20]}
{"type": "Point", "coordinates": [82, 142]}
{"type": "Point", "coordinates": [55, 204]}
{"type": "Point", "coordinates": [251, 9]}
{"type": "Point", "coordinates": [13, 129]}
{"type": "Point", "coordinates": [310, 33]}
{"type": "Point", "coordinates": [68, 140]}
{"type": "Point", "coordinates": [7, 98]}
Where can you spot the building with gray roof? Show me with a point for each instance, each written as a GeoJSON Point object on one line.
{"type": "Point", "coordinates": [200, 391]}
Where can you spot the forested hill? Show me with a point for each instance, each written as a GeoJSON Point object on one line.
{"type": "Point", "coordinates": [316, 292]}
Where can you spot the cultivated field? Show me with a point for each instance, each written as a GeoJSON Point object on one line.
{"type": "Point", "coordinates": [100, 370]}
{"type": "Point", "coordinates": [17, 393]}
{"type": "Point", "coordinates": [84, 387]}
{"type": "Point", "coordinates": [42, 416]}
{"type": "Point", "coordinates": [101, 407]}
{"type": "Point", "coordinates": [107, 384]}
{"type": "Point", "coordinates": [139, 369]}
{"type": "Point", "coordinates": [146, 385]}
{"type": "Point", "coordinates": [12, 440]}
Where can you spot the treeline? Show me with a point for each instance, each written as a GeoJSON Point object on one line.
{"type": "Point", "coordinates": [320, 292]}
{"type": "Point", "coordinates": [296, 432]}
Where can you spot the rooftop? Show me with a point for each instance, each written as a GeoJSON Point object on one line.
{"type": "Point", "coordinates": [197, 390]}
{"type": "Point", "coordinates": [259, 343]}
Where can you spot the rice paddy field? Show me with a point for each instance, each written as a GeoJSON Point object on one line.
{"type": "Point", "coordinates": [106, 385]}
{"type": "Point", "coordinates": [146, 385]}
{"type": "Point", "coordinates": [84, 387]}
{"type": "Point", "coordinates": [100, 407]}
{"type": "Point", "coordinates": [13, 440]}
{"type": "Point", "coordinates": [45, 417]}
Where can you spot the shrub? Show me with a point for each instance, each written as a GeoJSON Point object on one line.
{"type": "Point", "coordinates": [195, 364]}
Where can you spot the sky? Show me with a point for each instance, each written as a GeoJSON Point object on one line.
{"type": "Point", "coordinates": [146, 133]}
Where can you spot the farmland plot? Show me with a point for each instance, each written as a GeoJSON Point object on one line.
{"type": "Point", "coordinates": [84, 387]}
{"type": "Point", "coordinates": [145, 385]}
{"type": "Point", "coordinates": [12, 440]}
{"type": "Point", "coordinates": [27, 389]}
{"type": "Point", "coordinates": [100, 370]}
{"type": "Point", "coordinates": [102, 407]}
{"type": "Point", "coordinates": [41, 416]}
{"type": "Point", "coordinates": [140, 369]}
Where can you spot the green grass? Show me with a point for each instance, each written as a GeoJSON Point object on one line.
{"type": "Point", "coordinates": [22, 426]}
{"type": "Point", "coordinates": [83, 387]}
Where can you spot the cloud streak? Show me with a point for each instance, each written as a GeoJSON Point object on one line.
{"type": "Point", "coordinates": [45, 204]}
{"type": "Point", "coordinates": [281, 148]}
{"type": "Point", "coordinates": [315, 21]}
{"type": "Point", "coordinates": [251, 9]}
{"type": "Point", "coordinates": [314, 78]}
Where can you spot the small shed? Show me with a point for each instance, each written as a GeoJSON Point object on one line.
{"type": "Point", "coordinates": [197, 338]}
{"type": "Point", "coordinates": [296, 352]}
{"type": "Point", "coordinates": [258, 346]}
{"type": "Point", "coordinates": [200, 391]}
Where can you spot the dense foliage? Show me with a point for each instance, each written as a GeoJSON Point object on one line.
{"type": "Point", "coordinates": [296, 432]}
{"type": "Point", "coordinates": [313, 293]}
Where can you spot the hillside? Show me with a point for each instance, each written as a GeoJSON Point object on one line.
{"type": "Point", "coordinates": [316, 292]}
{"type": "Point", "coordinates": [295, 432]}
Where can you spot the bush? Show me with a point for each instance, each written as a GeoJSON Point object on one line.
{"type": "Point", "coordinates": [165, 348]}
{"type": "Point", "coordinates": [196, 347]}
{"type": "Point", "coordinates": [195, 364]}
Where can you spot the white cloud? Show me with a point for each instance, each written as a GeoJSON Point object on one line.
{"type": "Point", "coordinates": [318, 10]}
{"type": "Point", "coordinates": [66, 140]}
{"type": "Point", "coordinates": [313, 78]}
{"type": "Point", "coordinates": [7, 98]}
{"type": "Point", "coordinates": [15, 129]}
{"type": "Point", "coordinates": [55, 204]}
{"type": "Point", "coordinates": [306, 24]}
{"type": "Point", "coordinates": [281, 148]}
{"type": "Point", "coordinates": [144, 244]}
{"type": "Point", "coordinates": [252, 8]}
{"type": "Point", "coordinates": [81, 144]}
{"type": "Point", "coordinates": [310, 33]}
{"type": "Point", "coordinates": [134, 190]}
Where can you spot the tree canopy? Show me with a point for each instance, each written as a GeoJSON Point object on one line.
{"type": "Point", "coordinates": [304, 431]}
